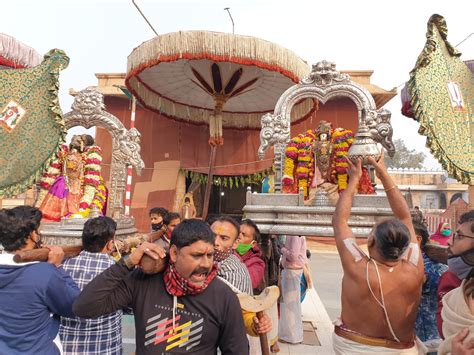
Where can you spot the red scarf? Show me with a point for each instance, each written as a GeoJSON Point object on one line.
{"type": "Point", "coordinates": [178, 286]}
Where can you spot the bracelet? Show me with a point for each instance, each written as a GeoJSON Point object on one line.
{"type": "Point", "coordinates": [391, 188]}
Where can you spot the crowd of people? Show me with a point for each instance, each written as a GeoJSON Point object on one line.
{"type": "Point", "coordinates": [396, 299]}
{"type": "Point", "coordinates": [75, 305]}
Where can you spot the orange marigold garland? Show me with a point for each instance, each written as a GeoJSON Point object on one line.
{"type": "Point", "coordinates": [299, 162]}
{"type": "Point", "coordinates": [291, 154]}
{"type": "Point", "coordinates": [342, 140]}
{"type": "Point", "coordinates": [305, 160]}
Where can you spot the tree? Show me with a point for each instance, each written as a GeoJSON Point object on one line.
{"type": "Point", "coordinates": [404, 157]}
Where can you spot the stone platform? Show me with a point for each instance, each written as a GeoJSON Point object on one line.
{"type": "Point", "coordinates": [69, 230]}
{"type": "Point", "coordinates": [278, 213]}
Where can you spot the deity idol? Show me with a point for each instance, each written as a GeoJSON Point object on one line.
{"type": "Point", "coordinates": [315, 160]}
{"type": "Point", "coordinates": [73, 186]}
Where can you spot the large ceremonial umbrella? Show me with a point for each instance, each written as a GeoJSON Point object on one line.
{"type": "Point", "coordinates": [219, 79]}
{"type": "Point", "coordinates": [14, 54]}
{"type": "Point", "coordinates": [31, 125]}
{"type": "Point", "coordinates": [441, 92]}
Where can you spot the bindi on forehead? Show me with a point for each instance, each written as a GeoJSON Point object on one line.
{"type": "Point", "coordinates": [219, 229]}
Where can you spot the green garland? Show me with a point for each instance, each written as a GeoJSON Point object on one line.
{"type": "Point", "coordinates": [229, 181]}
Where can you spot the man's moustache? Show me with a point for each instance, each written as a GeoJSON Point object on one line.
{"type": "Point", "coordinates": [201, 271]}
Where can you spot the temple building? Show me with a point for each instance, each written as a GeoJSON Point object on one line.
{"type": "Point", "coordinates": [176, 153]}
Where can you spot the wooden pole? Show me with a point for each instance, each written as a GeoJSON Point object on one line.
{"type": "Point", "coordinates": [128, 187]}
{"type": "Point", "coordinates": [207, 194]}
{"type": "Point", "coordinates": [470, 190]}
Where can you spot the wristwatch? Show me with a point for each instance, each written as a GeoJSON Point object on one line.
{"type": "Point", "coordinates": [128, 263]}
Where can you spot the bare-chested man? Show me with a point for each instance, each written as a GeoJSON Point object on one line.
{"type": "Point", "coordinates": [381, 291]}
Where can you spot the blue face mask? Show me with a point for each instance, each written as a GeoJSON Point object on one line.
{"type": "Point", "coordinates": [457, 265]}
{"type": "Point", "coordinates": [446, 232]}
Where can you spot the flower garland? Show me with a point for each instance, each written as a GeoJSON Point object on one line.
{"type": "Point", "coordinates": [291, 154]}
{"type": "Point", "coordinates": [51, 174]}
{"type": "Point", "coordinates": [99, 200]}
{"type": "Point", "coordinates": [92, 177]}
{"type": "Point", "coordinates": [305, 161]}
{"type": "Point", "coordinates": [299, 151]}
{"type": "Point", "coordinates": [342, 140]}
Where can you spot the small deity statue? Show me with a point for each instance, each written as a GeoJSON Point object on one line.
{"type": "Point", "coordinates": [73, 185]}
{"type": "Point", "coordinates": [188, 210]}
{"type": "Point", "coordinates": [323, 151]}
{"type": "Point", "coordinates": [315, 160]}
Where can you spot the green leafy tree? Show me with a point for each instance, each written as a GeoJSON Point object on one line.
{"type": "Point", "coordinates": [404, 157]}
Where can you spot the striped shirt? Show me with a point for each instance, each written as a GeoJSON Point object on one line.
{"type": "Point", "coordinates": [233, 271]}
{"type": "Point", "coordinates": [96, 336]}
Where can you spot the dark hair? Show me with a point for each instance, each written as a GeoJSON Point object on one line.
{"type": "Point", "coordinates": [97, 232]}
{"type": "Point", "coordinates": [422, 231]}
{"type": "Point", "coordinates": [16, 226]}
{"type": "Point", "coordinates": [227, 219]}
{"type": "Point", "coordinates": [190, 231]}
{"type": "Point", "coordinates": [87, 139]}
{"type": "Point", "coordinates": [308, 254]}
{"type": "Point", "coordinates": [170, 216]}
{"type": "Point", "coordinates": [467, 217]}
{"type": "Point", "coordinates": [256, 231]}
{"type": "Point", "coordinates": [417, 208]}
{"type": "Point", "coordinates": [28, 213]}
{"type": "Point", "coordinates": [187, 199]}
{"type": "Point", "coordinates": [392, 237]}
{"type": "Point", "coordinates": [159, 211]}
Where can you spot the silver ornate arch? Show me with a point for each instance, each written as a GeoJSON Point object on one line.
{"type": "Point", "coordinates": [324, 83]}
{"type": "Point", "coordinates": [88, 110]}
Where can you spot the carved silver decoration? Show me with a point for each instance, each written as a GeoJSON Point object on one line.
{"type": "Point", "coordinates": [380, 128]}
{"type": "Point", "coordinates": [324, 73]}
{"type": "Point", "coordinates": [325, 83]}
{"type": "Point", "coordinates": [88, 110]}
{"type": "Point", "coordinates": [274, 130]}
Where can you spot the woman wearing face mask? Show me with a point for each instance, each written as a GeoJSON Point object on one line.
{"type": "Point", "coordinates": [460, 261]}
{"type": "Point", "coordinates": [442, 234]}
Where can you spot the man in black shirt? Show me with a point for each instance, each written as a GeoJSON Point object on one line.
{"type": "Point", "coordinates": [184, 309]}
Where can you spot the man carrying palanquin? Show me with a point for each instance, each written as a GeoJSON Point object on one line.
{"type": "Point", "coordinates": [184, 309]}
{"type": "Point", "coordinates": [235, 274]}
{"type": "Point", "coordinates": [380, 291]}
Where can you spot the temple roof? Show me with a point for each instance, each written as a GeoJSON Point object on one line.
{"type": "Point", "coordinates": [362, 77]}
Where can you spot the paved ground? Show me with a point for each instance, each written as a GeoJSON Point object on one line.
{"type": "Point", "coordinates": [327, 273]}
{"type": "Point", "coordinates": [327, 276]}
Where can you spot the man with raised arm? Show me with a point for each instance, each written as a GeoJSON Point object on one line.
{"type": "Point", "coordinates": [184, 309]}
{"type": "Point", "coordinates": [380, 291]}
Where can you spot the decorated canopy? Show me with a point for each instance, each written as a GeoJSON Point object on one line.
{"type": "Point", "coordinates": [186, 75]}
{"type": "Point", "coordinates": [442, 100]}
{"type": "Point", "coordinates": [31, 126]}
{"type": "Point", "coordinates": [14, 54]}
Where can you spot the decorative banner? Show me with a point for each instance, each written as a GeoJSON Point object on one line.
{"type": "Point", "coordinates": [31, 126]}
{"type": "Point", "coordinates": [441, 89]}
{"type": "Point", "coordinates": [229, 181]}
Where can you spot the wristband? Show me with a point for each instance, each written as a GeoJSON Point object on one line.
{"type": "Point", "coordinates": [391, 188]}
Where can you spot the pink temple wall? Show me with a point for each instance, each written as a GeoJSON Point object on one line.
{"type": "Point", "coordinates": [168, 145]}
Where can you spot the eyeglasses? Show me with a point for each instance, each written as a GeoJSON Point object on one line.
{"type": "Point", "coordinates": [460, 236]}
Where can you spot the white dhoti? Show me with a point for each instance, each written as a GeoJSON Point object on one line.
{"type": "Point", "coordinates": [290, 326]}
{"type": "Point", "coordinates": [343, 346]}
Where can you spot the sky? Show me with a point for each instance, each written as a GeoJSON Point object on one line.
{"type": "Point", "coordinates": [383, 36]}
